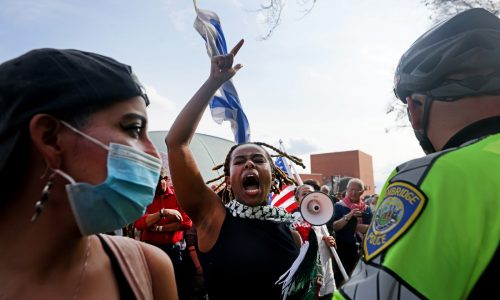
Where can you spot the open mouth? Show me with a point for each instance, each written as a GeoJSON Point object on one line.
{"type": "Point", "coordinates": [251, 184]}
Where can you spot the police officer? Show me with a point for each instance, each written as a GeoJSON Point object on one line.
{"type": "Point", "coordinates": [436, 231]}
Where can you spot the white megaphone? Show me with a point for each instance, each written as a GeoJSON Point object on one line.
{"type": "Point", "coordinates": [316, 208]}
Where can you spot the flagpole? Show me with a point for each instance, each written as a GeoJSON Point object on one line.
{"type": "Point", "coordinates": [289, 167]}
{"type": "Point", "coordinates": [195, 7]}
{"type": "Point", "coordinates": [324, 230]}
{"type": "Point", "coordinates": [287, 164]}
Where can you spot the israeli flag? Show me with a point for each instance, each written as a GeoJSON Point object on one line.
{"type": "Point", "coordinates": [225, 105]}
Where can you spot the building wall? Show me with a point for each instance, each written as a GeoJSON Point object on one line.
{"type": "Point", "coordinates": [366, 172]}
{"type": "Point", "coordinates": [346, 164]}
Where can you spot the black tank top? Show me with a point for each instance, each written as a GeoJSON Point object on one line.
{"type": "Point", "coordinates": [248, 258]}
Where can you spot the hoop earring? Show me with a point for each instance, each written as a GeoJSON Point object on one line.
{"type": "Point", "coordinates": [40, 204]}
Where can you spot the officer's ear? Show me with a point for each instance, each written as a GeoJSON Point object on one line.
{"type": "Point", "coordinates": [415, 111]}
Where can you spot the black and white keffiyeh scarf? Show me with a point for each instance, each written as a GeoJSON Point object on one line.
{"type": "Point", "coordinates": [261, 212]}
{"type": "Point", "coordinates": [302, 274]}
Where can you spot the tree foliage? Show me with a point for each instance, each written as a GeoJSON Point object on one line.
{"type": "Point", "coordinates": [444, 9]}
{"type": "Point", "coordinates": [439, 9]}
{"type": "Point", "coordinates": [273, 9]}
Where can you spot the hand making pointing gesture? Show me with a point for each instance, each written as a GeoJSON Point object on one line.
{"type": "Point", "coordinates": [222, 65]}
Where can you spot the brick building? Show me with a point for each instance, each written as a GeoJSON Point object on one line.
{"type": "Point", "coordinates": [330, 167]}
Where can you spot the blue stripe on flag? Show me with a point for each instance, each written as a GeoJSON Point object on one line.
{"type": "Point", "coordinates": [220, 39]}
{"type": "Point", "coordinates": [227, 106]}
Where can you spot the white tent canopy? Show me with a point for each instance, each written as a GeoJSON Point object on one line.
{"type": "Point", "coordinates": [208, 151]}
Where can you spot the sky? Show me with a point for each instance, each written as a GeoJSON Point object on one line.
{"type": "Point", "coordinates": [321, 83]}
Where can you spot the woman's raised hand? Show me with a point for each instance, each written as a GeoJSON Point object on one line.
{"type": "Point", "coordinates": [222, 68]}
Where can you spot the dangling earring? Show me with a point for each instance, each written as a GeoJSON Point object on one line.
{"type": "Point", "coordinates": [39, 206]}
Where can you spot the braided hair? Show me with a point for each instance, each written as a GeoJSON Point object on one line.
{"type": "Point", "coordinates": [281, 177]}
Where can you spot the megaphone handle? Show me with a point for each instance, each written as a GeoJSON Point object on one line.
{"type": "Point", "coordinates": [335, 255]}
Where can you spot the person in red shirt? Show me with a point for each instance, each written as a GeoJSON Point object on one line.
{"type": "Point", "coordinates": [163, 226]}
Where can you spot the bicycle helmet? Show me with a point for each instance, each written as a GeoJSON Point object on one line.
{"type": "Point", "coordinates": [457, 58]}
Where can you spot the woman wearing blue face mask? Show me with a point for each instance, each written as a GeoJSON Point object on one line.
{"type": "Point", "coordinates": [76, 161]}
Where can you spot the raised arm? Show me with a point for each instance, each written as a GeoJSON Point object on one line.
{"type": "Point", "coordinates": [194, 196]}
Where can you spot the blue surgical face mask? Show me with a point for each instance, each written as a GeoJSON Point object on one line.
{"type": "Point", "coordinates": [122, 198]}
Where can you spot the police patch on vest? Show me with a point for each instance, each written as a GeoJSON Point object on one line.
{"type": "Point", "coordinates": [401, 206]}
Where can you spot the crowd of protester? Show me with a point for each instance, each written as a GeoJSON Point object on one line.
{"type": "Point", "coordinates": [180, 241]}
{"type": "Point", "coordinates": [181, 244]}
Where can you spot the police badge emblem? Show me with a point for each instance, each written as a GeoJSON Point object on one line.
{"type": "Point", "coordinates": [400, 207]}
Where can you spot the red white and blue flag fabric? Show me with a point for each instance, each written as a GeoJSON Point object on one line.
{"type": "Point", "coordinates": [225, 105]}
{"type": "Point", "coordinates": [286, 198]}
{"type": "Point", "coordinates": [282, 164]}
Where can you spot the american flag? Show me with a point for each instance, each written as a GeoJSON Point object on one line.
{"type": "Point", "coordinates": [286, 198]}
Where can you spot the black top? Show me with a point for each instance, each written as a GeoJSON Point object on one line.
{"type": "Point", "coordinates": [248, 258]}
{"type": "Point", "coordinates": [348, 233]}
{"type": "Point", "coordinates": [481, 128]}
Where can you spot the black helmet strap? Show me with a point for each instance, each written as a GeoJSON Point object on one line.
{"type": "Point", "coordinates": [421, 134]}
